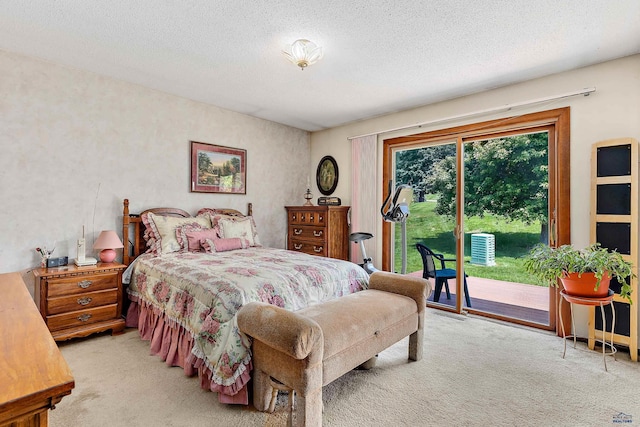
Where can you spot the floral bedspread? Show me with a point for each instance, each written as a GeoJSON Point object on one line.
{"type": "Point", "coordinates": [202, 292]}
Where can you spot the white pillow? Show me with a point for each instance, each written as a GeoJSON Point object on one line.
{"type": "Point", "coordinates": [239, 228]}
{"type": "Point", "coordinates": [165, 226]}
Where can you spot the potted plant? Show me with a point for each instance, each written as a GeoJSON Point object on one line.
{"type": "Point", "coordinates": [583, 272]}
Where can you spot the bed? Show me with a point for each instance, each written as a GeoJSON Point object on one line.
{"type": "Point", "coordinates": [189, 275]}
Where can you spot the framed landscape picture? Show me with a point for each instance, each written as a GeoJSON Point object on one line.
{"type": "Point", "coordinates": [217, 169]}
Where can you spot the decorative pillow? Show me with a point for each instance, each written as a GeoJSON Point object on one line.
{"type": "Point", "coordinates": [208, 211]}
{"type": "Point", "coordinates": [163, 230]}
{"type": "Point", "coordinates": [239, 227]}
{"type": "Point", "coordinates": [216, 217]}
{"type": "Point", "coordinates": [149, 235]}
{"type": "Point", "coordinates": [224, 245]}
{"type": "Point", "coordinates": [194, 236]}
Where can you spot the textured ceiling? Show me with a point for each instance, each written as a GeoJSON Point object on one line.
{"type": "Point", "coordinates": [380, 56]}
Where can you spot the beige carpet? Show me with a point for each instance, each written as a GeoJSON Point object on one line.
{"type": "Point", "coordinates": [475, 372]}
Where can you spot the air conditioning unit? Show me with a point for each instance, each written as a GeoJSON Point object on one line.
{"type": "Point", "coordinates": [483, 249]}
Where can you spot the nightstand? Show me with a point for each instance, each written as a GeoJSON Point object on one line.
{"type": "Point", "coordinates": [78, 301]}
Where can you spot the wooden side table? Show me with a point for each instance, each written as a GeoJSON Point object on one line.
{"type": "Point", "coordinates": [78, 301]}
{"type": "Point", "coordinates": [590, 302]}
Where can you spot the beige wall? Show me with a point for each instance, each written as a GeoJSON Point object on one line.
{"type": "Point", "coordinates": [613, 111]}
{"type": "Point", "coordinates": [75, 144]}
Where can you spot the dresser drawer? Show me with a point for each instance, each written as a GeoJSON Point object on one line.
{"type": "Point", "coordinates": [307, 217]}
{"type": "Point", "coordinates": [317, 234]}
{"type": "Point", "coordinates": [82, 317]}
{"type": "Point", "coordinates": [308, 247]}
{"type": "Point", "coordinates": [78, 284]}
{"type": "Point", "coordinates": [81, 301]}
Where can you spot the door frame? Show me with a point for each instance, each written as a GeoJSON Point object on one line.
{"type": "Point", "coordinates": [557, 122]}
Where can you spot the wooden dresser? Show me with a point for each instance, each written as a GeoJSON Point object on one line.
{"type": "Point", "coordinates": [34, 376]}
{"type": "Point", "coordinates": [319, 230]}
{"type": "Point", "coordinates": [78, 301]}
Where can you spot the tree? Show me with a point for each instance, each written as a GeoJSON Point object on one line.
{"type": "Point", "coordinates": [204, 162]}
{"type": "Point", "coordinates": [413, 167]}
{"type": "Point", "coordinates": [503, 176]}
{"type": "Point", "coordinates": [235, 164]}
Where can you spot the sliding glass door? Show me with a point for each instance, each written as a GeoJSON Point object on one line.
{"type": "Point", "coordinates": [482, 199]}
{"type": "Point", "coordinates": [506, 213]}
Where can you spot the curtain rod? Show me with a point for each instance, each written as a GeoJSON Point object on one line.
{"type": "Point", "coordinates": [585, 92]}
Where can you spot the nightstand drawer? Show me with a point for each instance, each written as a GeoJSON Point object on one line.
{"type": "Point", "coordinates": [308, 247]}
{"type": "Point", "coordinates": [82, 317]}
{"type": "Point", "coordinates": [317, 234]}
{"type": "Point", "coordinates": [81, 301]}
{"type": "Point", "coordinates": [80, 284]}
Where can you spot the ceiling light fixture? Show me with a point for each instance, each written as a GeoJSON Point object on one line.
{"type": "Point", "coordinates": [303, 53]}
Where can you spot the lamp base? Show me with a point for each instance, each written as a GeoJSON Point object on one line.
{"type": "Point", "coordinates": [308, 196]}
{"type": "Point", "coordinates": [107, 255]}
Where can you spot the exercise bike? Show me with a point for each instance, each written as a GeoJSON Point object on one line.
{"type": "Point", "coordinates": [397, 211]}
{"type": "Point", "coordinates": [359, 238]}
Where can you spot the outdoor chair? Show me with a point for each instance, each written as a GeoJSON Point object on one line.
{"type": "Point", "coordinates": [440, 275]}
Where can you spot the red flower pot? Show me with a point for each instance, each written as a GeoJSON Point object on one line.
{"type": "Point", "coordinates": [584, 285]}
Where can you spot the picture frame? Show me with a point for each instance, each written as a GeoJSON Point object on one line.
{"type": "Point", "coordinates": [218, 169]}
{"type": "Point", "coordinates": [327, 175]}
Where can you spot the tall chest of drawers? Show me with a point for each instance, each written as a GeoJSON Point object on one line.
{"type": "Point", "coordinates": [78, 301]}
{"type": "Point", "coordinates": [319, 230]}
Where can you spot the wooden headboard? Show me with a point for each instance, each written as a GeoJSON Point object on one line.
{"type": "Point", "coordinates": [135, 221]}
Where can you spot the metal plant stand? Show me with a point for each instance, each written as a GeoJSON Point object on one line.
{"type": "Point", "coordinates": [590, 302]}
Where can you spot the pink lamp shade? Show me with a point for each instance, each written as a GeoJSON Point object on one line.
{"type": "Point", "coordinates": [108, 240]}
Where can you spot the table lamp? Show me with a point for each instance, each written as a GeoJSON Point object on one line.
{"type": "Point", "coordinates": [108, 240]}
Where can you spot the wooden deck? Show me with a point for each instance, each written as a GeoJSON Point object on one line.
{"type": "Point", "coordinates": [517, 300]}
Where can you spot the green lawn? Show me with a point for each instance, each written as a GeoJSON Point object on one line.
{"type": "Point", "coordinates": [513, 240]}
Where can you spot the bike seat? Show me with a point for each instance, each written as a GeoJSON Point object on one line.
{"type": "Point", "coordinates": [356, 237]}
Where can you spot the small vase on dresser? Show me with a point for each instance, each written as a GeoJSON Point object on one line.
{"type": "Point", "coordinates": [319, 230]}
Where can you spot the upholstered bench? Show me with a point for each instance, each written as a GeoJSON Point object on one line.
{"type": "Point", "coordinates": [307, 349]}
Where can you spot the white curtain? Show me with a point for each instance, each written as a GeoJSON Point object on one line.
{"type": "Point", "coordinates": [364, 206]}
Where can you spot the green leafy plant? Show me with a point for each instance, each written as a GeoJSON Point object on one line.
{"type": "Point", "coordinates": [550, 264]}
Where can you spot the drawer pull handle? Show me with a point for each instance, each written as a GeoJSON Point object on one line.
{"type": "Point", "coordinates": [84, 317]}
{"type": "Point", "coordinates": [317, 249]}
{"type": "Point", "coordinates": [297, 231]}
{"type": "Point", "coordinates": [297, 246]}
{"type": "Point", "coordinates": [84, 284]}
{"type": "Point", "coordinates": [320, 218]}
{"type": "Point", "coordinates": [84, 301]}
{"type": "Point", "coordinates": [317, 233]}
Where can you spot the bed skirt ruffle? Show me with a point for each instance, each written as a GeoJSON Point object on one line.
{"type": "Point", "coordinates": [173, 344]}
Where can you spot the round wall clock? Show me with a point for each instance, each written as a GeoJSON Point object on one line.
{"type": "Point", "coordinates": [327, 175]}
